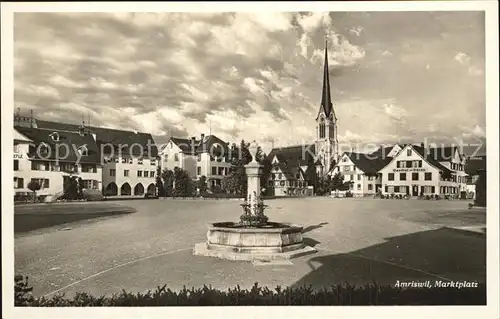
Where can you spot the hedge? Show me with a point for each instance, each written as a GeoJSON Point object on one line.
{"type": "Point", "coordinates": [349, 295]}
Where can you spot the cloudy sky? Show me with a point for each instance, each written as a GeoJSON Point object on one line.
{"type": "Point", "coordinates": [394, 76]}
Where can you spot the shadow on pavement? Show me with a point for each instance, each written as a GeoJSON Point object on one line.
{"type": "Point", "coordinates": [313, 227]}
{"type": "Point", "coordinates": [427, 255]}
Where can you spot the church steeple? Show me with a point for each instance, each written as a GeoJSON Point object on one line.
{"type": "Point", "coordinates": [326, 100]}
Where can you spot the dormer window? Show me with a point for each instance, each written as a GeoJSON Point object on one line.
{"type": "Point", "coordinates": [54, 136]}
{"type": "Point", "coordinates": [83, 150]}
{"type": "Point", "coordinates": [43, 148]}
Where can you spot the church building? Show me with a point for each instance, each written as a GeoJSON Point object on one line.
{"type": "Point", "coordinates": [298, 163]}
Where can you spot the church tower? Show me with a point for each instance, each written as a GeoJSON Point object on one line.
{"type": "Point", "coordinates": [326, 125]}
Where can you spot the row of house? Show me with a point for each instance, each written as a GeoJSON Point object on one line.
{"type": "Point", "coordinates": [116, 162]}
{"type": "Point", "coordinates": [51, 153]}
{"type": "Point", "coordinates": [414, 170]}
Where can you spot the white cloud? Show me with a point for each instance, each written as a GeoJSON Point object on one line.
{"type": "Point", "coordinates": [357, 31]}
{"type": "Point", "coordinates": [462, 58]}
{"type": "Point", "coordinates": [314, 20]}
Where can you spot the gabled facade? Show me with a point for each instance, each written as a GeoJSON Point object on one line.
{"type": "Point", "coordinates": [415, 172]}
{"type": "Point", "coordinates": [287, 180]}
{"type": "Point", "coordinates": [362, 170]}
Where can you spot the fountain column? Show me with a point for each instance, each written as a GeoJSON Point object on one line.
{"type": "Point", "coordinates": [253, 171]}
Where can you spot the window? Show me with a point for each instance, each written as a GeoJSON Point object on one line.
{"type": "Point", "coordinates": [117, 160]}
{"type": "Point", "coordinates": [433, 189]}
{"type": "Point", "coordinates": [16, 148]}
{"type": "Point", "coordinates": [199, 158]}
{"type": "Point", "coordinates": [359, 187]}
{"type": "Point", "coordinates": [152, 174]}
{"type": "Point", "coordinates": [125, 172]}
{"type": "Point", "coordinates": [282, 183]}
{"type": "Point", "coordinates": [408, 152]}
{"type": "Point", "coordinates": [146, 174]}
{"type": "Point", "coordinates": [396, 189]}
{"type": "Point", "coordinates": [390, 189]}
{"type": "Point", "coordinates": [428, 176]}
{"type": "Point", "coordinates": [386, 188]}
{"type": "Point", "coordinates": [153, 162]}
{"type": "Point", "coordinates": [370, 187]}
{"type": "Point", "coordinates": [89, 168]}
{"type": "Point", "coordinates": [139, 173]}
{"type": "Point", "coordinates": [214, 170]}
{"type": "Point", "coordinates": [359, 177]}
{"type": "Point", "coordinates": [398, 164]}
{"type": "Point", "coordinates": [280, 176]}
{"type": "Point", "coordinates": [344, 159]}
{"type": "Point", "coordinates": [54, 136]}
{"type": "Point", "coordinates": [112, 172]}
{"type": "Point", "coordinates": [18, 182]}
{"type": "Point", "coordinates": [140, 161]}
{"type": "Point", "coordinates": [390, 176]}
{"type": "Point", "coordinates": [176, 157]}
{"type": "Point", "coordinates": [198, 170]}
{"type": "Point", "coordinates": [221, 171]}
{"type": "Point", "coordinates": [297, 176]}
{"type": "Point", "coordinates": [16, 165]}
{"type": "Point", "coordinates": [402, 176]}
{"type": "Point", "coordinates": [414, 176]}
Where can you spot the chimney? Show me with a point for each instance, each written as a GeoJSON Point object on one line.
{"type": "Point", "coordinates": [193, 139]}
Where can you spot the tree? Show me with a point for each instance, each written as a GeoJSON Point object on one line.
{"type": "Point", "coordinates": [34, 186]}
{"type": "Point", "coordinates": [159, 183]}
{"type": "Point", "coordinates": [79, 188]}
{"type": "Point", "coordinates": [202, 185]}
{"type": "Point", "coordinates": [337, 182]}
{"type": "Point", "coordinates": [184, 185]}
{"type": "Point", "coordinates": [236, 181]}
{"type": "Point", "coordinates": [168, 182]}
{"type": "Point", "coordinates": [266, 170]}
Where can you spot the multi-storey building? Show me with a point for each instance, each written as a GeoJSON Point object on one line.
{"type": "Point", "coordinates": [291, 167]}
{"type": "Point", "coordinates": [418, 171]}
{"type": "Point", "coordinates": [207, 156]}
{"type": "Point", "coordinates": [116, 162]}
{"type": "Point", "coordinates": [51, 157]}
{"type": "Point", "coordinates": [361, 171]}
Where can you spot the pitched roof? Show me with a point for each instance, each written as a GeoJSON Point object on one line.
{"type": "Point", "coordinates": [298, 155]}
{"type": "Point", "coordinates": [20, 137]}
{"type": "Point", "coordinates": [370, 164]}
{"type": "Point", "coordinates": [111, 136]}
{"type": "Point", "coordinates": [72, 141]}
{"type": "Point", "coordinates": [443, 154]}
{"type": "Point", "coordinates": [383, 151]}
{"type": "Point", "coordinates": [429, 157]}
{"type": "Point", "coordinates": [209, 143]}
{"type": "Point", "coordinates": [475, 164]}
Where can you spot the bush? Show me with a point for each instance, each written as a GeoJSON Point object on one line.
{"type": "Point", "coordinates": [348, 194]}
{"type": "Point", "coordinates": [371, 294]}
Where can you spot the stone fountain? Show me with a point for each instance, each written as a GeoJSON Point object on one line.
{"type": "Point", "coordinates": [253, 237]}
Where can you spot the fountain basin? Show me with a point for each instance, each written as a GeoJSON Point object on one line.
{"type": "Point", "coordinates": [271, 241]}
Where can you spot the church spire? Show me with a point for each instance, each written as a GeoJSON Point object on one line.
{"type": "Point", "coordinates": [326, 101]}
